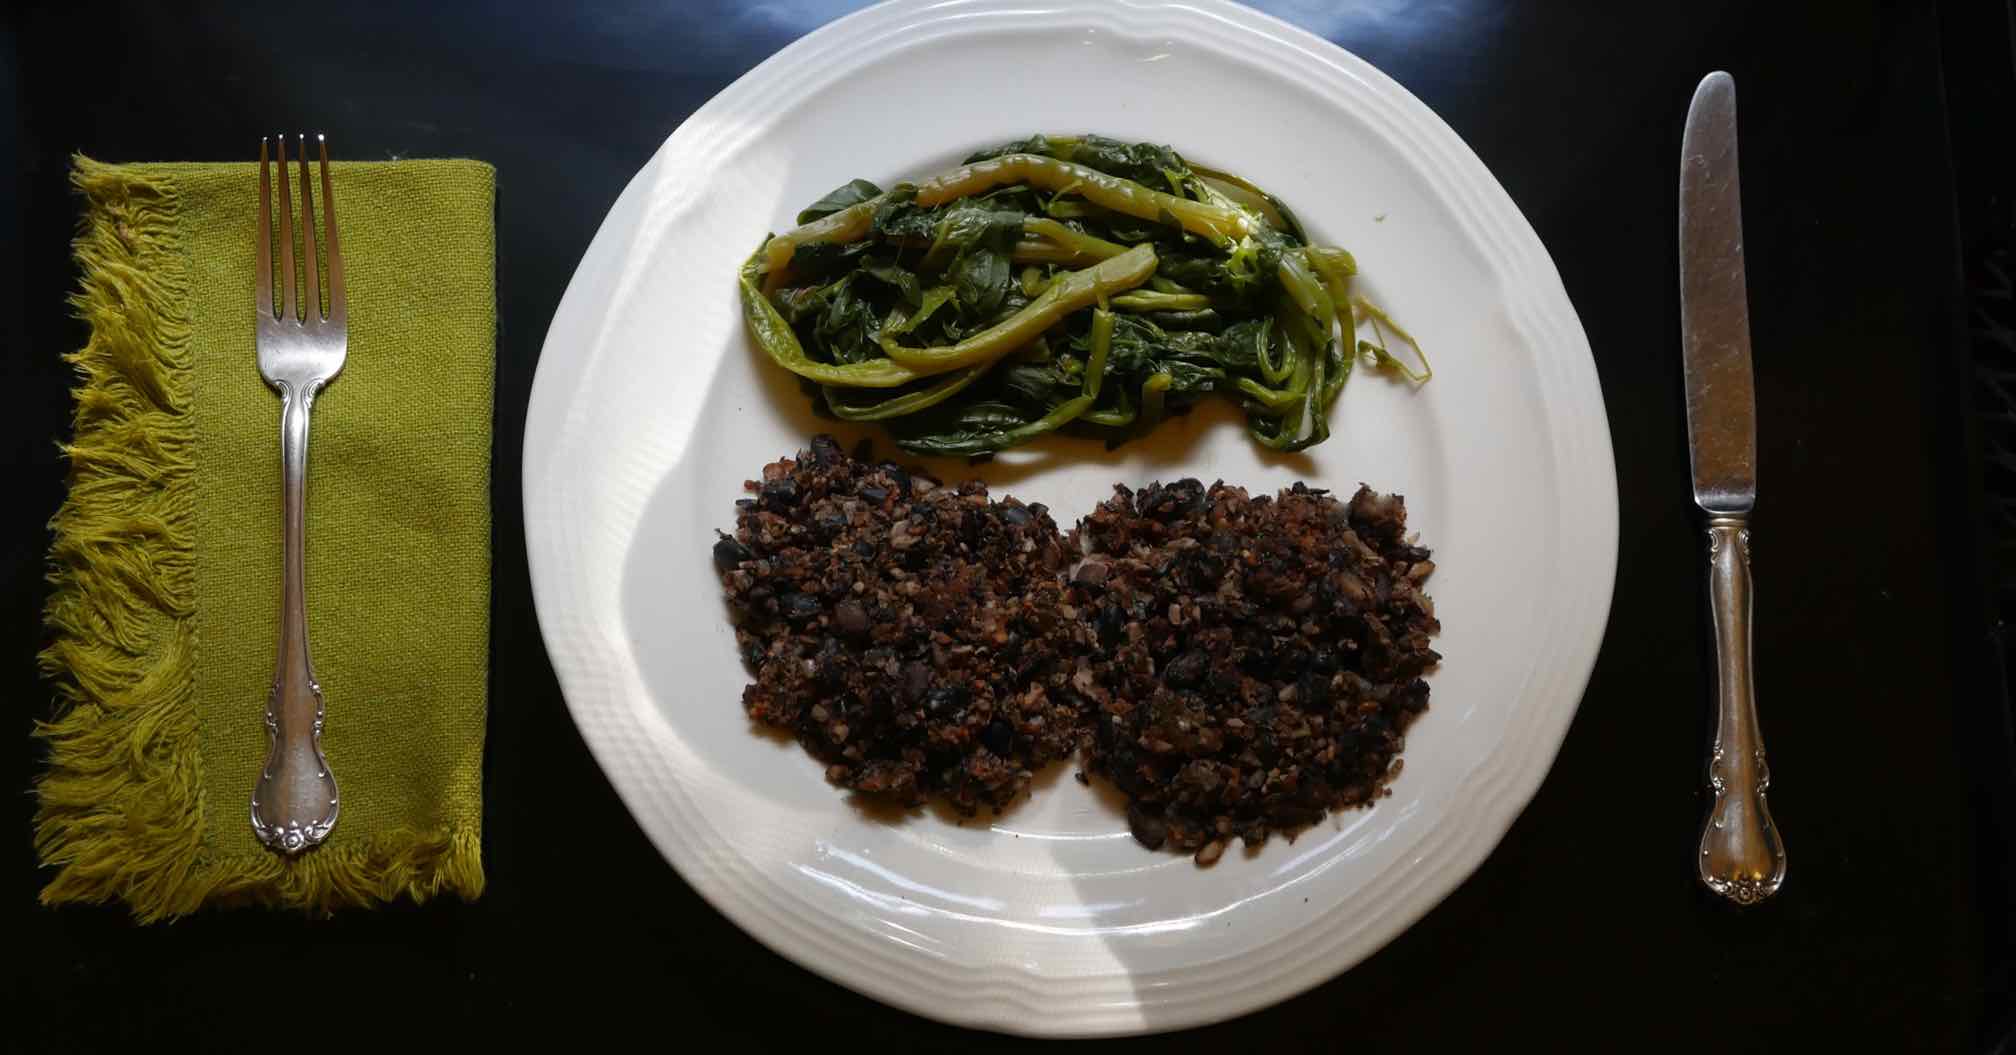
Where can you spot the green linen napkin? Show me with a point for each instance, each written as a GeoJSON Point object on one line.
{"type": "Point", "coordinates": [165, 561]}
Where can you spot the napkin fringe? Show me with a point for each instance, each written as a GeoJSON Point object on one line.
{"type": "Point", "coordinates": [386, 866]}
{"type": "Point", "coordinates": [120, 810]}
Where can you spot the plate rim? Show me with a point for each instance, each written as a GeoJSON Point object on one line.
{"type": "Point", "coordinates": [886, 27]}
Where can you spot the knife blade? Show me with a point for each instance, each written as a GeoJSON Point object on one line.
{"type": "Point", "coordinates": [1714, 309]}
{"type": "Point", "coordinates": [1742, 857]}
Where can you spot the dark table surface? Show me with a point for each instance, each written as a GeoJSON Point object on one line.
{"type": "Point", "coordinates": [1586, 928]}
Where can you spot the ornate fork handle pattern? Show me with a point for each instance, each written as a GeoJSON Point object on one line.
{"type": "Point", "coordinates": [294, 804]}
{"type": "Point", "coordinates": [301, 349]}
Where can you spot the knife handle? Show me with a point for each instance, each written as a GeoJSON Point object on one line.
{"type": "Point", "coordinates": [1742, 858]}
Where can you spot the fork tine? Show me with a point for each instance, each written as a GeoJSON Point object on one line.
{"type": "Point", "coordinates": [263, 284]}
{"type": "Point", "coordinates": [336, 300]}
{"type": "Point", "coordinates": [311, 286]}
{"type": "Point", "coordinates": [289, 304]}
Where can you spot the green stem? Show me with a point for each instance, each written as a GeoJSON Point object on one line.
{"type": "Point", "coordinates": [1302, 285]}
{"type": "Point", "coordinates": [1102, 342]}
{"type": "Point", "coordinates": [1151, 400]}
{"type": "Point", "coordinates": [1276, 401]}
{"type": "Point", "coordinates": [1068, 237]}
{"type": "Point", "coordinates": [1272, 209]}
{"type": "Point", "coordinates": [1150, 300]}
{"type": "Point", "coordinates": [1272, 372]}
{"type": "Point", "coordinates": [773, 334]}
{"type": "Point", "coordinates": [1067, 294]}
{"type": "Point", "coordinates": [1334, 264]}
{"type": "Point", "coordinates": [1343, 353]}
{"type": "Point", "coordinates": [850, 224]}
{"type": "Point", "coordinates": [1112, 192]}
{"type": "Point", "coordinates": [1292, 427]}
{"type": "Point", "coordinates": [907, 403]}
{"type": "Point", "coordinates": [1385, 358]}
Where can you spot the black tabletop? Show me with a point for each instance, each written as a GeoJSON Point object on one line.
{"type": "Point", "coordinates": [1585, 927]}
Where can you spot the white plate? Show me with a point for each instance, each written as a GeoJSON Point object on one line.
{"type": "Point", "coordinates": [651, 408]}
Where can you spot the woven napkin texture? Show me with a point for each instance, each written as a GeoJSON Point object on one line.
{"type": "Point", "coordinates": [165, 564]}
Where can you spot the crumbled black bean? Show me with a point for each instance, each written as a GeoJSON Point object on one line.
{"type": "Point", "coordinates": [1235, 666]}
{"type": "Point", "coordinates": [798, 607]}
{"type": "Point", "coordinates": [949, 700]}
{"type": "Point", "coordinates": [916, 681]}
{"type": "Point", "coordinates": [898, 478]}
{"type": "Point", "coordinates": [1148, 828]}
{"type": "Point", "coordinates": [1286, 684]}
{"type": "Point", "coordinates": [778, 495]}
{"type": "Point", "coordinates": [908, 634]}
{"type": "Point", "coordinates": [999, 737]}
{"type": "Point", "coordinates": [852, 619]}
{"type": "Point", "coordinates": [825, 449]}
{"type": "Point", "coordinates": [1186, 669]}
{"type": "Point", "coordinates": [729, 553]}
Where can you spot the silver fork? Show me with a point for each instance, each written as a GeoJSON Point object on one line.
{"type": "Point", "coordinates": [301, 349]}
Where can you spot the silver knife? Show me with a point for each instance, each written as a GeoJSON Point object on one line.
{"type": "Point", "coordinates": [1741, 857]}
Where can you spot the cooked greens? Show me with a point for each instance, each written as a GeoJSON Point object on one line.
{"type": "Point", "coordinates": [1076, 283]}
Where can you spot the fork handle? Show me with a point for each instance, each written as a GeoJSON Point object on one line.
{"type": "Point", "coordinates": [1741, 857]}
{"type": "Point", "coordinates": [294, 803]}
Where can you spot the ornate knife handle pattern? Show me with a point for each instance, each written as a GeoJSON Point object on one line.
{"type": "Point", "coordinates": [1741, 858]}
